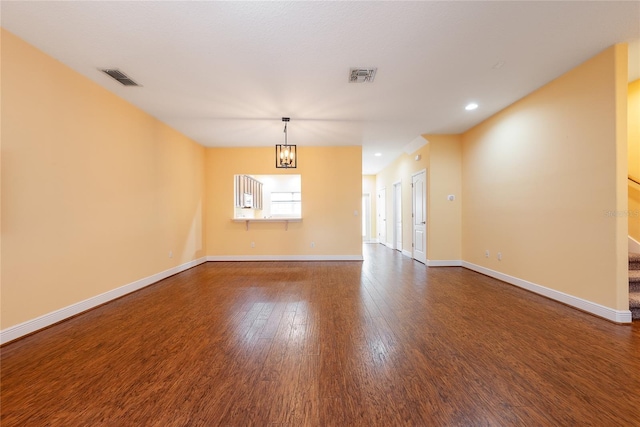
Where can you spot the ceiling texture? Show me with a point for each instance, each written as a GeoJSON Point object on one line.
{"type": "Point", "coordinates": [225, 73]}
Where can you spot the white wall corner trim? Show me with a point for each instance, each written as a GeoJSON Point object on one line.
{"type": "Point", "coordinates": [14, 332]}
{"type": "Point", "coordinates": [444, 263]}
{"type": "Point", "coordinates": [407, 253]}
{"type": "Point", "coordinates": [618, 316]}
{"type": "Point", "coordinates": [214, 258]}
{"type": "Point", "coordinates": [413, 146]}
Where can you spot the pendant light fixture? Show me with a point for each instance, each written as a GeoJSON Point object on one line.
{"type": "Point", "coordinates": [286, 155]}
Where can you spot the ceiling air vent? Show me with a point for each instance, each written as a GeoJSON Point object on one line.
{"type": "Point", "coordinates": [119, 76]}
{"type": "Point", "coordinates": [362, 75]}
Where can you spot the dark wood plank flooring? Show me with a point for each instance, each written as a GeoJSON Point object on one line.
{"type": "Point", "coordinates": [387, 342]}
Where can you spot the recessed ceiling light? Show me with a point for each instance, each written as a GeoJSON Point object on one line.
{"type": "Point", "coordinates": [471, 106]}
{"type": "Point", "coordinates": [378, 154]}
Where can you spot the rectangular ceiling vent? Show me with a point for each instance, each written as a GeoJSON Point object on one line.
{"type": "Point", "coordinates": [362, 75]}
{"type": "Point", "coordinates": [119, 76]}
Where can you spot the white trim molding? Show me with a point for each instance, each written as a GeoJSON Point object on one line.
{"type": "Point", "coordinates": [417, 143]}
{"type": "Point", "coordinates": [444, 263]}
{"type": "Point", "coordinates": [407, 253]}
{"type": "Point", "coordinates": [618, 316]}
{"type": "Point", "coordinates": [215, 258]}
{"type": "Point", "coordinates": [14, 332]}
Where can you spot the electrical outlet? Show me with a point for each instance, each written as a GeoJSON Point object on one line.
{"type": "Point", "coordinates": [253, 244]}
{"type": "Point", "coordinates": [313, 244]}
{"type": "Point", "coordinates": [170, 254]}
{"type": "Point", "coordinates": [499, 256]}
{"type": "Point", "coordinates": [486, 253]}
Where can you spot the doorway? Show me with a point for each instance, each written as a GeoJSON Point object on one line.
{"type": "Point", "coordinates": [419, 223]}
{"type": "Point", "coordinates": [366, 217]}
{"type": "Point", "coordinates": [397, 216]}
{"type": "Point", "coordinates": [382, 216]}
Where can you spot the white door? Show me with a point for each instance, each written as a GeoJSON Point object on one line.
{"type": "Point", "coordinates": [366, 217]}
{"type": "Point", "coordinates": [382, 216]}
{"type": "Point", "coordinates": [397, 216]}
{"type": "Point", "coordinates": [419, 191]}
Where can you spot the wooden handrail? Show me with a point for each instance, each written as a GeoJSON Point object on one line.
{"type": "Point", "coordinates": [633, 180]}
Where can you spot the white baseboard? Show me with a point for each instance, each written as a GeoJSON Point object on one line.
{"type": "Point", "coordinates": [14, 332]}
{"type": "Point", "coordinates": [618, 316]}
{"type": "Point", "coordinates": [284, 258]}
{"type": "Point", "coordinates": [634, 245]}
{"type": "Point", "coordinates": [389, 245]}
{"type": "Point", "coordinates": [444, 263]}
{"type": "Point", "coordinates": [407, 253]}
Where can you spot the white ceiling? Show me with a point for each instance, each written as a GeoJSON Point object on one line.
{"type": "Point", "coordinates": [224, 73]}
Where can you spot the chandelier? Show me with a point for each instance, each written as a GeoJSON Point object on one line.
{"type": "Point", "coordinates": [285, 153]}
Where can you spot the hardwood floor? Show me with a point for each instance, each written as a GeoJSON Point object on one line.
{"type": "Point", "coordinates": [387, 342]}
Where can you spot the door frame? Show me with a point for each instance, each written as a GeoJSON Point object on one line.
{"type": "Point", "coordinates": [397, 215]}
{"type": "Point", "coordinates": [413, 212]}
{"type": "Point", "coordinates": [381, 221]}
{"type": "Point", "coordinates": [366, 216]}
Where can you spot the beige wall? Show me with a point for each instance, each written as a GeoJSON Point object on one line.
{"type": "Point", "coordinates": [331, 193]}
{"type": "Point", "coordinates": [542, 182]}
{"type": "Point", "coordinates": [634, 158]}
{"type": "Point", "coordinates": [95, 192]}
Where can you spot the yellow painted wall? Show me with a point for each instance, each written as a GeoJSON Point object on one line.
{"type": "Point", "coordinates": [542, 182]}
{"type": "Point", "coordinates": [634, 157]}
{"type": "Point", "coordinates": [95, 192]}
{"type": "Point", "coordinates": [620, 53]}
{"type": "Point", "coordinates": [331, 192]}
{"type": "Point", "coordinates": [444, 235]}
